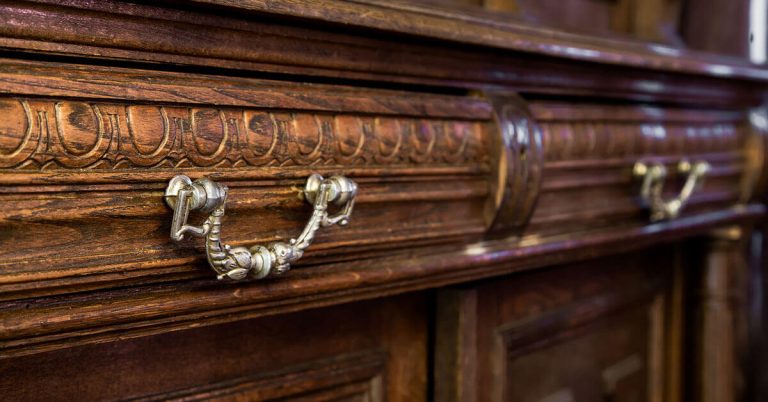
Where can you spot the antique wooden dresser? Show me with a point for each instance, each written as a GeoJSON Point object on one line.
{"type": "Point", "coordinates": [368, 201]}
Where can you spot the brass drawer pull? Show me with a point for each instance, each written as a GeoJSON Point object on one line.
{"type": "Point", "coordinates": [653, 176]}
{"type": "Point", "coordinates": [236, 263]}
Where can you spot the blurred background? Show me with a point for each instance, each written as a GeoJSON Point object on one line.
{"type": "Point", "coordinates": [729, 27]}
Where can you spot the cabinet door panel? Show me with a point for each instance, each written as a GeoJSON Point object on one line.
{"type": "Point", "coordinates": [367, 351]}
{"type": "Point", "coordinates": [585, 332]}
{"type": "Point", "coordinates": [609, 360]}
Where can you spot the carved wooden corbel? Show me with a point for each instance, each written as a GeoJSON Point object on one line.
{"type": "Point", "coordinates": [516, 166]}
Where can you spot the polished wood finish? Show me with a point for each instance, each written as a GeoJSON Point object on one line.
{"type": "Point", "coordinates": [590, 148]}
{"type": "Point", "coordinates": [497, 227]}
{"type": "Point", "coordinates": [521, 57]}
{"type": "Point", "coordinates": [516, 164]}
{"type": "Point", "coordinates": [399, 151]}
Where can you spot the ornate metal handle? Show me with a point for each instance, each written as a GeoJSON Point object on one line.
{"type": "Point", "coordinates": [236, 263]}
{"type": "Point", "coordinates": [653, 176]}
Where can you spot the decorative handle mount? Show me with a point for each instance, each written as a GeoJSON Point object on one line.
{"type": "Point", "coordinates": [236, 263]}
{"type": "Point", "coordinates": [653, 176]}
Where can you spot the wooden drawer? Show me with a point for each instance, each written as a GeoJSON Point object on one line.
{"type": "Point", "coordinates": [572, 333]}
{"type": "Point", "coordinates": [590, 150]}
{"type": "Point", "coordinates": [86, 152]}
{"type": "Point", "coordinates": [88, 173]}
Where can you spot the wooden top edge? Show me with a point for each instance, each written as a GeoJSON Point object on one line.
{"type": "Point", "coordinates": [485, 30]}
{"type": "Point", "coordinates": [66, 80]}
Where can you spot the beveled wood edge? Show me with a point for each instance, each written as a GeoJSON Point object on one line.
{"type": "Point", "coordinates": [126, 85]}
{"type": "Point", "coordinates": [34, 326]}
{"type": "Point", "coordinates": [362, 368]}
{"type": "Point", "coordinates": [55, 181]}
{"type": "Point", "coordinates": [512, 35]}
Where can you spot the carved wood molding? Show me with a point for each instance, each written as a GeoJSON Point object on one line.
{"type": "Point", "coordinates": [591, 148]}
{"type": "Point", "coordinates": [46, 135]}
{"type": "Point", "coordinates": [607, 132]}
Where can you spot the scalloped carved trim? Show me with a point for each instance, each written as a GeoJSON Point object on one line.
{"type": "Point", "coordinates": [56, 135]}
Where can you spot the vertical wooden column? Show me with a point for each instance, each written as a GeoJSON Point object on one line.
{"type": "Point", "coordinates": [721, 318]}
{"type": "Point", "coordinates": [456, 343]}
{"type": "Point", "coordinates": [756, 357]}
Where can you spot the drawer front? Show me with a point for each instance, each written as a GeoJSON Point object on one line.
{"type": "Point", "coordinates": [84, 167]}
{"type": "Point", "coordinates": [88, 173]}
{"type": "Point", "coordinates": [592, 331]}
{"type": "Point", "coordinates": [590, 151]}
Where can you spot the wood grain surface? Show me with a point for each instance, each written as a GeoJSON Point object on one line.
{"type": "Point", "coordinates": [87, 151]}
{"type": "Point", "coordinates": [590, 150]}
{"type": "Point", "coordinates": [102, 102]}
{"type": "Point", "coordinates": [97, 171]}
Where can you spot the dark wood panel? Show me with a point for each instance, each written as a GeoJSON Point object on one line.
{"type": "Point", "coordinates": [351, 377]}
{"type": "Point", "coordinates": [570, 333]}
{"type": "Point", "coordinates": [611, 360]}
{"type": "Point", "coordinates": [372, 351]}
